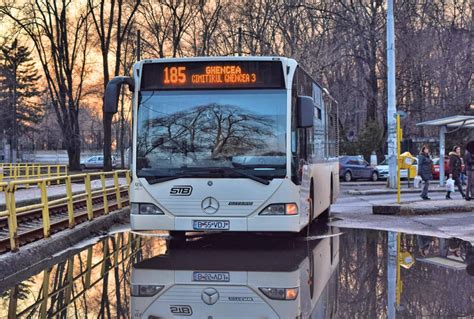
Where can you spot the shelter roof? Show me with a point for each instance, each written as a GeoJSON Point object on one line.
{"type": "Point", "coordinates": [465, 121]}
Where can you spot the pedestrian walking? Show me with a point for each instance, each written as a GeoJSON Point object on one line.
{"type": "Point", "coordinates": [425, 170]}
{"type": "Point", "coordinates": [469, 167]}
{"type": "Point", "coordinates": [455, 168]}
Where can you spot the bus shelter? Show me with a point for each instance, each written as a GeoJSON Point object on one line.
{"type": "Point", "coordinates": [447, 125]}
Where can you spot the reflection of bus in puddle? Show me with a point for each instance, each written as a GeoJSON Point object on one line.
{"type": "Point", "coordinates": [227, 276]}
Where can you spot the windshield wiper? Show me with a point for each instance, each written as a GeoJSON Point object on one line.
{"type": "Point", "coordinates": [232, 170]}
{"type": "Point", "coordinates": [157, 179]}
{"type": "Point", "coordinates": [196, 171]}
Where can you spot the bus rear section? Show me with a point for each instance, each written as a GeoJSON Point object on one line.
{"type": "Point", "coordinates": [225, 280]}
{"type": "Point", "coordinates": [229, 144]}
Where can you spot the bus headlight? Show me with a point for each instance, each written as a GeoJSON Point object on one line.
{"type": "Point", "coordinates": [280, 293]}
{"type": "Point", "coordinates": [145, 209]}
{"type": "Point", "coordinates": [280, 209]}
{"type": "Point", "coordinates": [145, 290]}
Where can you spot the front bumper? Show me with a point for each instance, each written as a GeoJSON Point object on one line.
{"type": "Point", "coordinates": [383, 174]}
{"type": "Point", "coordinates": [252, 223]}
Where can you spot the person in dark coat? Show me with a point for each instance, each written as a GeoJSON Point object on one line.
{"type": "Point", "coordinates": [469, 168]}
{"type": "Point", "coordinates": [425, 170]}
{"type": "Point", "coordinates": [455, 168]}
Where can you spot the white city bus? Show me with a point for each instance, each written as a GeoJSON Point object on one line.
{"type": "Point", "coordinates": [229, 144]}
{"type": "Point", "coordinates": [229, 278]}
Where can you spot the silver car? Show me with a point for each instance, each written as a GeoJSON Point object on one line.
{"type": "Point", "coordinates": [96, 162]}
{"type": "Point", "coordinates": [383, 170]}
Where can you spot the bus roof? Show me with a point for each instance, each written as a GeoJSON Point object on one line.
{"type": "Point", "coordinates": [219, 58]}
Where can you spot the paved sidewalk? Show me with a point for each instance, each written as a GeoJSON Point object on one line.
{"type": "Point", "coordinates": [355, 211]}
{"type": "Point", "coordinates": [34, 193]}
{"type": "Point", "coordinates": [429, 207]}
{"type": "Point", "coordinates": [384, 190]}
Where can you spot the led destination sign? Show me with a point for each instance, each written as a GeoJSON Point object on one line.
{"type": "Point", "coordinates": [212, 75]}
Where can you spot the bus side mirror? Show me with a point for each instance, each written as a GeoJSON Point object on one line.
{"type": "Point", "coordinates": [305, 110]}
{"type": "Point", "coordinates": [112, 92]}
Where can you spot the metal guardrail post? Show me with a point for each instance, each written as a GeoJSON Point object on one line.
{"type": "Point", "coordinates": [70, 206]}
{"type": "Point", "coordinates": [127, 177]}
{"type": "Point", "coordinates": [129, 244]}
{"type": "Point", "coordinates": [90, 212]}
{"type": "Point", "coordinates": [58, 173]}
{"type": "Point", "coordinates": [49, 174]}
{"type": "Point", "coordinates": [88, 268]}
{"type": "Point", "coordinates": [45, 296]}
{"type": "Point", "coordinates": [105, 253]}
{"type": "Point", "coordinates": [44, 202]}
{"type": "Point", "coordinates": [12, 222]}
{"type": "Point", "coordinates": [70, 282]}
{"type": "Point", "coordinates": [104, 193]}
{"type": "Point", "coordinates": [12, 304]}
{"type": "Point", "coordinates": [117, 190]}
{"type": "Point", "coordinates": [118, 244]}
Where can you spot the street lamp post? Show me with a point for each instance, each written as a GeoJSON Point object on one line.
{"type": "Point", "coordinates": [391, 98]}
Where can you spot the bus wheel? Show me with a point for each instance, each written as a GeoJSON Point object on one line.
{"type": "Point", "coordinates": [178, 235]}
{"type": "Point", "coordinates": [311, 204]}
{"type": "Point", "coordinates": [327, 212]}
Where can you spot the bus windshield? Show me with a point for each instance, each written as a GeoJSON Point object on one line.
{"type": "Point", "coordinates": [185, 132]}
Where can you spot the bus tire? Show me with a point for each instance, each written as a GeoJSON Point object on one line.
{"type": "Point", "coordinates": [178, 235]}
{"type": "Point", "coordinates": [311, 203]}
{"type": "Point", "coordinates": [327, 212]}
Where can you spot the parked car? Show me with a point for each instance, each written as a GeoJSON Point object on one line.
{"type": "Point", "coordinates": [355, 167]}
{"type": "Point", "coordinates": [383, 170]}
{"type": "Point", "coordinates": [96, 162]}
{"type": "Point", "coordinates": [446, 168]}
{"type": "Point", "coordinates": [435, 168]}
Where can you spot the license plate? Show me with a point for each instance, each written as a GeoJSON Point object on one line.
{"type": "Point", "coordinates": [211, 224]}
{"type": "Point", "coordinates": [211, 276]}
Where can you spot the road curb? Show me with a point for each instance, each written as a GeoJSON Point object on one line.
{"type": "Point", "coordinates": [39, 254]}
{"type": "Point", "coordinates": [423, 208]}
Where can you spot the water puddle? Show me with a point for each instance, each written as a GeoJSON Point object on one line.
{"type": "Point", "coordinates": [332, 273]}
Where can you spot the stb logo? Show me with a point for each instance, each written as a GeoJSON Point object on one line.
{"type": "Point", "coordinates": [181, 190]}
{"type": "Point", "coordinates": [181, 310]}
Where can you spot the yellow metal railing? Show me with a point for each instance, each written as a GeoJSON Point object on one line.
{"type": "Point", "coordinates": [3, 186]}
{"type": "Point", "coordinates": [44, 205]}
{"type": "Point", "coordinates": [79, 276]}
{"type": "Point", "coordinates": [15, 171]}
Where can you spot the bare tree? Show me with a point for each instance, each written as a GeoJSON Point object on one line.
{"type": "Point", "coordinates": [60, 36]}
{"type": "Point", "coordinates": [204, 26]}
{"type": "Point", "coordinates": [166, 23]}
{"type": "Point", "coordinates": [111, 21]}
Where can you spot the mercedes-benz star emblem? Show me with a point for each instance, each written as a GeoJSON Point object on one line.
{"type": "Point", "coordinates": [210, 296]}
{"type": "Point", "coordinates": [210, 205]}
